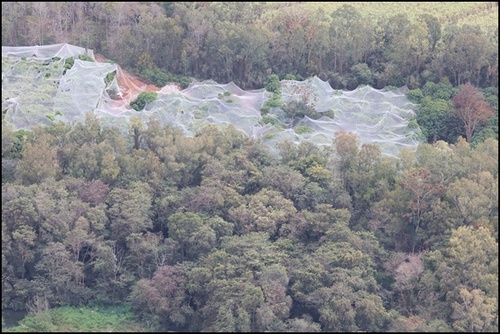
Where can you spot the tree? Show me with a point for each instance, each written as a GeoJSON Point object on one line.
{"type": "Point", "coordinates": [24, 239]}
{"type": "Point", "coordinates": [471, 108]}
{"type": "Point", "coordinates": [129, 210]}
{"type": "Point", "coordinates": [163, 300]}
{"type": "Point", "coordinates": [63, 277]}
{"type": "Point", "coordinates": [363, 74]}
{"type": "Point", "coordinates": [39, 161]}
{"type": "Point", "coordinates": [94, 193]}
{"type": "Point", "coordinates": [475, 198]}
{"type": "Point", "coordinates": [346, 150]}
{"type": "Point", "coordinates": [406, 270]}
{"type": "Point", "coordinates": [265, 211]}
{"type": "Point", "coordinates": [349, 37]}
{"type": "Point", "coordinates": [433, 29]}
{"type": "Point", "coordinates": [420, 192]}
{"type": "Point", "coordinates": [475, 312]}
{"type": "Point", "coordinates": [194, 236]}
{"type": "Point", "coordinates": [472, 248]}
{"type": "Point", "coordinates": [466, 53]}
{"type": "Point", "coordinates": [144, 98]}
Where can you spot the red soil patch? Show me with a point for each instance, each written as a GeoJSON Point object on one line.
{"type": "Point", "coordinates": [130, 85]}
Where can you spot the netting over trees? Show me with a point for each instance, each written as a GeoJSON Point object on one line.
{"type": "Point", "coordinates": [42, 84]}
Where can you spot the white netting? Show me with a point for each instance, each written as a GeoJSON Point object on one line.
{"type": "Point", "coordinates": [36, 89]}
{"type": "Point", "coordinates": [63, 50]}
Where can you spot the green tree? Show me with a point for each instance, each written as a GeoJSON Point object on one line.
{"type": "Point", "coordinates": [144, 98]}
{"type": "Point", "coordinates": [195, 237]}
{"type": "Point", "coordinates": [349, 38]}
{"type": "Point", "coordinates": [363, 74]}
{"type": "Point", "coordinates": [129, 210]}
{"type": "Point", "coordinates": [61, 276]}
{"type": "Point", "coordinates": [465, 53]}
{"type": "Point", "coordinates": [474, 312]}
{"type": "Point", "coordinates": [24, 241]}
{"type": "Point", "coordinates": [39, 161]}
{"type": "Point", "coordinates": [475, 199]}
{"type": "Point", "coordinates": [136, 128]}
{"type": "Point", "coordinates": [476, 249]}
{"type": "Point", "coordinates": [422, 193]}
{"type": "Point", "coordinates": [265, 211]}
{"type": "Point", "coordinates": [433, 29]}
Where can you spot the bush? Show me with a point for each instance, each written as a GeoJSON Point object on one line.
{"type": "Point", "coordinates": [273, 84]}
{"type": "Point", "coordinates": [363, 74]}
{"type": "Point", "coordinates": [265, 110]}
{"type": "Point", "coordinates": [144, 98]}
{"type": "Point", "coordinates": [274, 101]}
{"type": "Point", "coordinates": [268, 120]}
{"type": "Point", "coordinates": [299, 109]}
{"type": "Point", "coordinates": [329, 113]}
{"type": "Point", "coordinates": [78, 319]}
{"type": "Point", "coordinates": [442, 90]}
{"type": "Point", "coordinates": [159, 78]}
{"type": "Point", "coordinates": [303, 129]}
{"type": "Point", "coordinates": [109, 77]}
{"type": "Point", "coordinates": [85, 58]}
{"type": "Point", "coordinates": [68, 63]}
{"type": "Point", "coordinates": [415, 95]}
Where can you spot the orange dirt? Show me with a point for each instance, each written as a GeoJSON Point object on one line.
{"type": "Point", "coordinates": [130, 85]}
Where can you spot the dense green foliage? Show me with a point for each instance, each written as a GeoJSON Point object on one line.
{"type": "Point", "coordinates": [216, 233]}
{"type": "Point", "coordinates": [77, 319]}
{"type": "Point", "coordinates": [144, 98]}
{"type": "Point", "coordinates": [440, 118]}
{"type": "Point", "coordinates": [347, 44]}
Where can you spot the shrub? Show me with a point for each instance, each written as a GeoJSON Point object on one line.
{"type": "Point", "coordinates": [68, 64]}
{"type": "Point", "coordinates": [363, 74]}
{"type": "Point", "coordinates": [415, 95]}
{"type": "Point", "coordinates": [273, 84]}
{"type": "Point", "coordinates": [329, 113]}
{"type": "Point", "coordinates": [299, 109]}
{"type": "Point", "coordinates": [159, 78]}
{"type": "Point", "coordinates": [85, 58]}
{"type": "Point", "coordinates": [268, 119]}
{"type": "Point", "coordinates": [109, 77]}
{"type": "Point", "coordinates": [274, 101]}
{"type": "Point", "coordinates": [303, 129]}
{"type": "Point", "coordinates": [144, 98]}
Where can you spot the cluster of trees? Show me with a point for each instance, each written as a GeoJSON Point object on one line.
{"type": "Point", "coordinates": [246, 42]}
{"type": "Point", "coordinates": [447, 113]}
{"type": "Point", "coordinates": [215, 233]}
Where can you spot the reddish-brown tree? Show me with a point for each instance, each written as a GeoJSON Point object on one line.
{"type": "Point", "coordinates": [471, 108]}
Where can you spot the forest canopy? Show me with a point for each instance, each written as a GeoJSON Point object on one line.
{"type": "Point", "coordinates": [215, 232]}
{"type": "Point", "coordinates": [346, 44]}
{"type": "Point", "coordinates": [150, 229]}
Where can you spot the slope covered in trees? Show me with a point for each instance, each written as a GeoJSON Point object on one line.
{"type": "Point", "coordinates": [216, 233]}
{"type": "Point", "coordinates": [131, 226]}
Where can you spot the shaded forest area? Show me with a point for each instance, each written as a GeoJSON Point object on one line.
{"type": "Point", "coordinates": [245, 42]}
{"type": "Point", "coordinates": [216, 233]}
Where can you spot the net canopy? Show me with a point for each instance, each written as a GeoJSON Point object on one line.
{"type": "Point", "coordinates": [43, 84]}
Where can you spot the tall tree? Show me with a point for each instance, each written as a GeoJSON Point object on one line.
{"type": "Point", "coordinates": [39, 160]}
{"type": "Point", "coordinates": [129, 210]}
{"type": "Point", "coordinates": [471, 108]}
{"type": "Point", "coordinates": [349, 37]}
